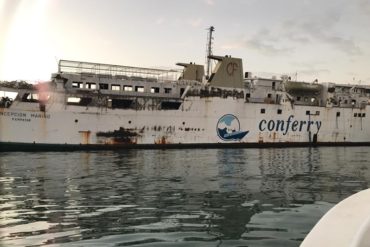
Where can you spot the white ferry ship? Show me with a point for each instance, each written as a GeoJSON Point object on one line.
{"type": "Point", "coordinates": [101, 106]}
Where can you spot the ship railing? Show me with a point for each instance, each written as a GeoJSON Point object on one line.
{"type": "Point", "coordinates": [100, 70]}
{"type": "Point", "coordinates": [120, 94]}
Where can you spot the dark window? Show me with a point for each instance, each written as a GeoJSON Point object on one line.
{"type": "Point", "coordinates": [30, 97]}
{"type": "Point", "coordinates": [363, 115]}
{"type": "Point", "coordinates": [103, 86]}
{"type": "Point", "coordinates": [308, 113]}
{"type": "Point", "coordinates": [90, 85]}
{"type": "Point", "coordinates": [299, 98]}
{"type": "Point", "coordinates": [273, 85]}
{"type": "Point", "coordinates": [355, 115]}
{"type": "Point", "coordinates": [345, 101]}
{"type": "Point", "coordinates": [77, 84]}
{"type": "Point", "coordinates": [121, 103]}
{"type": "Point", "coordinates": [154, 90]}
{"type": "Point", "coordinates": [168, 105]}
{"type": "Point", "coordinates": [248, 95]}
{"type": "Point", "coordinates": [139, 89]}
{"type": "Point", "coordinates": [167, 90]}
{"type": "Point", "coordinates": [182, 90]}
{"type": "Point", "coordinates": [279, 111]}
{"type": "Point", "coordinates": [338, 114]}
{"type": "Point", "coordinates": [263, 111]}
{"type": "Point", "coordinates": [269, 95]}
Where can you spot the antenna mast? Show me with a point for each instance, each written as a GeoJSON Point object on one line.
{"type": "Point", "coordinates": [209, 49]}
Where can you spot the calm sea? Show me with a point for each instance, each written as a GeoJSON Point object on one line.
{"type": "Point", "coordinates": [204, 197]}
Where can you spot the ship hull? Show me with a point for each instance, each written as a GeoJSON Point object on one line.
{"type": "Point", "coordinates": [198, 123]}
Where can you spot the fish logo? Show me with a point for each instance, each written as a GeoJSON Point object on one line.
{"type": "Point", "coordinates": [228, 128]}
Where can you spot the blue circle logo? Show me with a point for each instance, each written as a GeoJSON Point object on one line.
{"type": "Point", "coordinates": [228, 128]}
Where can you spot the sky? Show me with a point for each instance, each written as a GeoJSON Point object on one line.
{"type": "Point", "coordinates": [328, 40]}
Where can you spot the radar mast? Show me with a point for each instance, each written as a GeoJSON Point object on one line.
{"type": "Point", "coordinates": [211, 29]}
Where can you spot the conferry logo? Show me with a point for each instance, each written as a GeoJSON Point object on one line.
{"type": "Point", "coordinates": [228, 128]}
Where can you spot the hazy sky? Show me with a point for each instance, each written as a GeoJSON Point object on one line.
{"type": "Point", "coordinates": [324, 39]}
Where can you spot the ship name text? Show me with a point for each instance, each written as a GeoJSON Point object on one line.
{"type": "Point", "coordinates": [288, 125]}
{"type": "Point", "coordinates": [23, 116]}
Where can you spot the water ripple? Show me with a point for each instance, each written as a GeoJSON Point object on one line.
{"type": "Point", "coordinates": [231, 197]}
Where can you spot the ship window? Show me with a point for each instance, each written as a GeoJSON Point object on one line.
{"type": "Point", "coordinates": [313, 100]}
{"type": "Point", "coordinates": [263, 110]}
{"type": "Point", "coordinates": [78, 101]}
{"type": "Point", "coordinates": [269, 95]}
{"type": "Point", "coordinates": [279, 111]}
{"type": "Point", "coordinates": [103, 86]}
{"type": "Point", "coordinates": [305, 99]}
{"type": "Point", "coordinates": [30, 97]}
{"type": "Point", "coordinates": [363, 115]}
{"type": "Point", "coordinates": [168, 105]}
{"type": "Point", "coordinates": [139, 89]}
{"type": "Point", "coordinates": [298, 98]}
{"type": "Point", "coordinates": [167, 90]}
{"type": "Point", "coordinates": [121, 103]}
{"type": "Point", "coordinates": [127, 88]}
{"type": "Point", "coordinates": [317, 113]}
{"type": "Point", "coordinates": [115, 87]}
{"type": "Point", "coordinates": [345, 101]}
{"type": "Point", "coordinates": [7, 99]}
{"type": "Point", "coordinates": [248, 95]}
{"type": "Point", "coordinates": [77, 84]}
{"type": "Point", "coordinates": [90, 85]}
{"type": "Point", "coordinates": [355, 115]}
{"type": "Point", "coordinates": [308, 113]}
{"type": "Point", "coordinates": [154, 90]}
{"type": "Point", "coordinates": [338, 114]}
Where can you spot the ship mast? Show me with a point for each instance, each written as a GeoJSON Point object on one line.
{"type": "Point", "coordinates": [211, 29]}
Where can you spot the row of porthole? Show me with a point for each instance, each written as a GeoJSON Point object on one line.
{"type": "Point", "coordinates": [280, 111]}
{"type": "Point", "coordinates": [359, 114]}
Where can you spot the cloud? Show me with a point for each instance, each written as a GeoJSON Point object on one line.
{"type": "Point", "coordinates": [196, 22]}
{"type": "Point", "coordinates": [364, 6]}
{"type": "Point", "coordinates": [160, 21]}
{"type": "Point", "coordinates": [210, 2]}
{"type": "Point", "coordinates": [320, 30]}
{"type": "Point", "coordinates": [263, 41]}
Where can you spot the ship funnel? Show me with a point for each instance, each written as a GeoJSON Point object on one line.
{"type": "Point", "coordinates": [192, 71]}
{"type": "Point", "coordinates": [227, 73]}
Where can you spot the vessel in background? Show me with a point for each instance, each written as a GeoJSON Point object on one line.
{"type": "Point", "coordinates": [102, 106]}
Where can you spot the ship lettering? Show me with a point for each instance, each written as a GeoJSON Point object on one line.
{"type": "Point", "coordinates": [40, 115]}
{"type": "Point", "coordinates": [286, 125]}
{"type": "Point", "coordinates": [13, 114]}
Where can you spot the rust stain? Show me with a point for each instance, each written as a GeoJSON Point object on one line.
{"type": "Point", "coordinates": [274, 136]}
{"type": "Point", "coordinates": [260, 138]}
{"type": "Point", "coordinates": [85, 137]}
{"type": "Point", "coordinates": [162, 140]}
{"type": "Point", "coordinates": [120, 136]}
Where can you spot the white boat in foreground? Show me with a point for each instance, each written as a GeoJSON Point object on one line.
{"type": "Point", "coordinates": [347, 224]}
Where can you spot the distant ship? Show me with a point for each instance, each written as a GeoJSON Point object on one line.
{"type": "Point", "coordinates": [102, 106]}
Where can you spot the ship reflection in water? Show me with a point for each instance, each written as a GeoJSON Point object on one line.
{"type": "Point", "coordinates": [215, 197]}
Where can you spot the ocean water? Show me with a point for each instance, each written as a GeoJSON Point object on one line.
{"type": "Point", "coordinates": [190, 197]}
